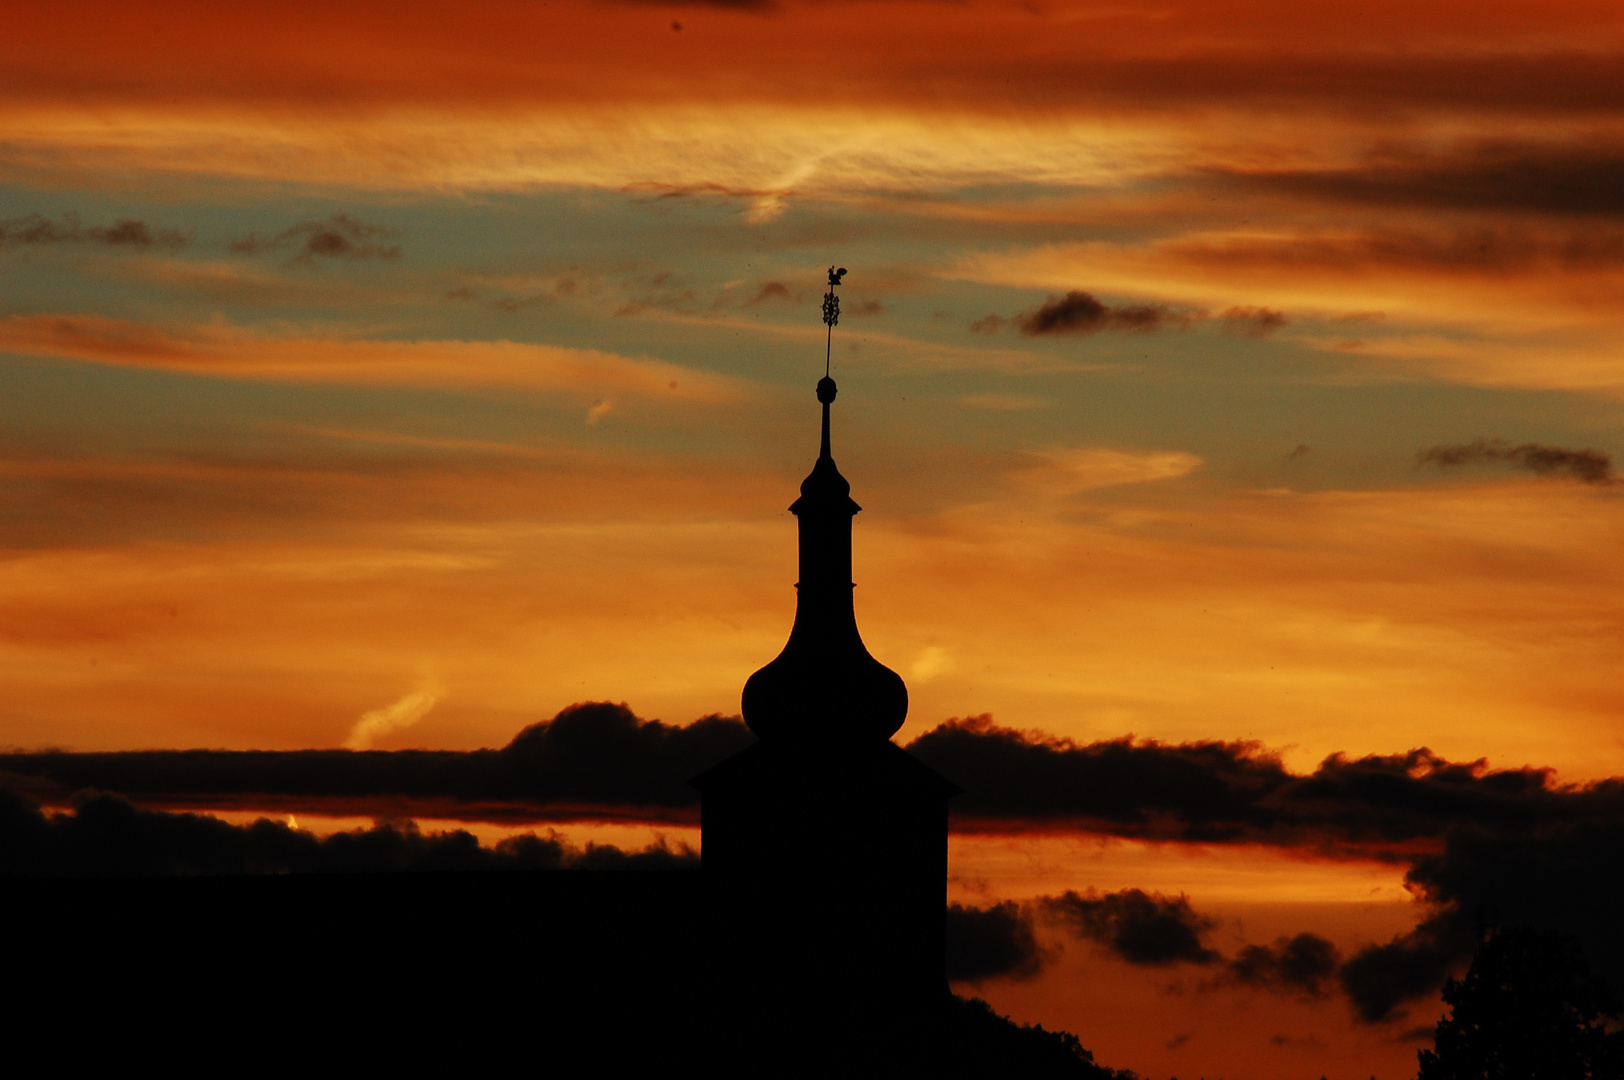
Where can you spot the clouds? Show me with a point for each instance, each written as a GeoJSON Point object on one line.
{"type": "Point", "coordinates": [126, 233]}
{"type": "Point", "coordinates": [601, 754]}
{"type": "Point", "coordinates": [1380, 979]}
{"type": "Point", "coordinates": [1153, 930]}
{"type": "Point", "coordinates": [1586, 466]}
{"type": "Point", "coordinates": [1067, 472]}
{"type": "Point", "coordinates": [1138, 927]}
{"type": "Point", "coordinates": [230, 352]}
{"type": "Point", "coordinates": [996, 941]}
{"type": "Point", "coordinates": [1252, 322]}
{"type": "Point", "coordinates": [1217, 792]}
{"type": "Point", "coordinates": [1305, 964]}
{"type": "Point", "coordinates": [590, 755]}
{"type": "Point", "coordinates": [1080, 313]}
{"type": "Point", "coordinates": [1550, 176]}
{"type": "Point", "coordinates": [106, 835]}
{"type": "Point", "coordinates": [398, 716]}
{"type": "Point", "coordinates": [339, 237]}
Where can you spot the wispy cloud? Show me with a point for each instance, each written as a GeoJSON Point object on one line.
{"type": "Point", "coordinates": [1069, 471]}
{"type": "Point", "coordinates": [395, 717]}
{"type": "Point", "coordinates": [1586, 466]}
{"type": "Point", "coordinates": [131, 233]}
{"type": "Point", "coordinates": [1252, 322]}
{"type": "Point", "coordinates": [234, 353]}
{"type": "Point", "coordinates": [339, 237]}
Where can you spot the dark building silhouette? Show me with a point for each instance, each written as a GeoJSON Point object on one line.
{"type": "Point", "coordinates": [811, 943]}
{"type": "Point", "coordinates": [825, 844]}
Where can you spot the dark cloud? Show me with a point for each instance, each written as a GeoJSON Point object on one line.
{"type": "Point", "coordinates": [107, 835]}
{"type": "Point", "coordinates": [601, 755]}
{"type": "Point", "coordinates": [1446, 247]}
{"type": "Point", "coordinates": [596, 755]}
{"type": "Point", "coordinates": [1139, 927]}
{"type": "Point", "coordinates": [866, 307]}
{"type": "Point", "coordinates": [1587, 466]}
{"type": "Point", "coordinates": [991, 324]}
{"type": "Point", "coordinates": [1560, 179]}
{"type": "Point", "coordinates": [1378, 979]}
{"type": "Point", "coordinates": [339, 237]}
{"type": "Point", "coordinates": [1560, 876]}
{"type": "Point", "coordinates": [1305, 964]}
{"type": "Point", "coordinates": [1080, 313]}
{"type": "Point", "coordinates": [1511, 841]}
{"type": "Point", "coordinates": [983, 943]}
{"type": "Point", "coordinates": [773, 290]}
{"type": "Point", "coordinates": [1521, 84]}
{"type": "Point", "coordinates": [1238, 792]}
{"type": "Point", "coordinates": [1564, 877]}
{"type": "Point", "coordinates": [126, 233]}
{"type": "Point", "coordinates": [1252, 322]}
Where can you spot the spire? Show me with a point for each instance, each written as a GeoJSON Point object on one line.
{"type": "Point", "coordinates": [825, 687]}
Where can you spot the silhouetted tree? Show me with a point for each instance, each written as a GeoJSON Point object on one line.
{"type": "Point", "coordinates": [1529, 1008]}
{"type": "Point", "coordinates": [995, 1045]}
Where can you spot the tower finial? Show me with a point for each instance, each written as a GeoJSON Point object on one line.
{"type": "Point", "coordinates": [831, 314]}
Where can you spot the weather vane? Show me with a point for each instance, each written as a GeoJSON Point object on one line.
{"type": "Point", "coordinates": [831, 314]}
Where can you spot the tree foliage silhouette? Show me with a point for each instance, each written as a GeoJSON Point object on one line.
{"type": "Point", "coordinates": [1529, 1008]}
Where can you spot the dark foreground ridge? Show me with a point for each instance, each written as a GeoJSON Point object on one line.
{"type": "Point", "coordinates": [571, 972]}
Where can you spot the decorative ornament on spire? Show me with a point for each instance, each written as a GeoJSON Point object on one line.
{"type": "Point", "coordinates": [831, 314]}
{"type": "Point", "coordinates": [825, 688]}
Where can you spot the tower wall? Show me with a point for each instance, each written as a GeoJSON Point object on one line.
{"type": "Point", "coordinates": [832, 869]}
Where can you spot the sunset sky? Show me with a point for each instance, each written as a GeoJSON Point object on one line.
{"type": "Point", "coordinates": [396, 375]}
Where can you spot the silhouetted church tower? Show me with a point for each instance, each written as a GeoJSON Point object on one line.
{"type": "Point", "coordinates": [825, 843]}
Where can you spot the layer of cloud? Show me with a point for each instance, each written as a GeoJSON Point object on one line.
{"type": "Point", "coordinates": [1544, 177]}
{"type": "Point", "coordinates": [339, 237]}
{"type": "Point", "coordinates": [1586, 466]}
{"type": "Point", "coordinates": [130, 233]}
{"type": "Point", "coordinates": [1252, 322]}
{"type": "Point", "coordinates": [106, 835]}
{"type": "Point", "coordinates": [603, 755]}
{"type": "Point", "coordinates": [234, 353]}
{"type": "Point", "coordinates": [1183, 53]}
{"type": "Point", "coordinates": [1065, 472]}
{"type": "Point", "coordinates": [595, 755]}
{"type": "Point", "coordinates": [1217, 792]}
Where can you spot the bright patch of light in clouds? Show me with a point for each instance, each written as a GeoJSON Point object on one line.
{"type": "Point", "coordinates": [396, 717]}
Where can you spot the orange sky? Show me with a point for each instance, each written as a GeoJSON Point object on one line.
{"type": "Point", "coordinates": [452, 363]}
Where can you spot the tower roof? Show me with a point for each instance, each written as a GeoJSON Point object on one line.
{"type": "Point", "coordinates": [824, 687]}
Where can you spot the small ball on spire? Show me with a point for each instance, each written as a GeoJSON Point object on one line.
{"type": "Point", "coordinates": [826, 390]}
